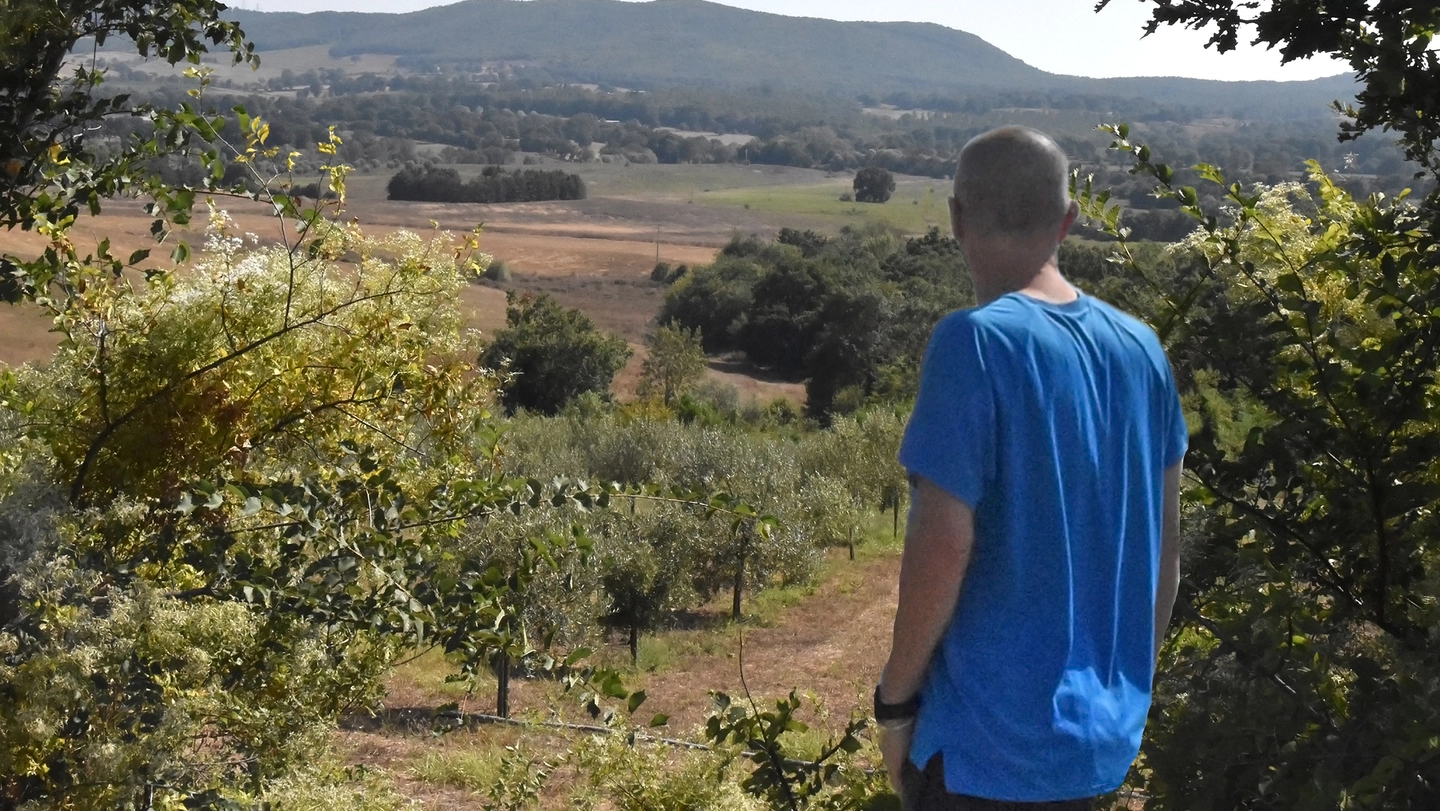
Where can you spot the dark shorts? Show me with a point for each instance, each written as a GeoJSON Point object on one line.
{"type": "Point", "coordinates": [925, 791]}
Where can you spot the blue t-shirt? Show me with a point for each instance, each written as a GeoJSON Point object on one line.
{"type": "Point", "coordinates": [1054, 423]}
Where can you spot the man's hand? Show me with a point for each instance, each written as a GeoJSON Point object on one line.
{"type": "Point", "coordinates": [895, 749]}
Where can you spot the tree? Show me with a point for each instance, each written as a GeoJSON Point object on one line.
{"type": "Point", "coordinates": [51, 168]}
{"type": "Point", "coordinates": [873, 185]}
{"type": "Point", "coordinates": [1388, 44]}
{"type": "Point", "coordinates": [644, 564]}
{"type": "Point", "coordinates": [675, 361]}
{"type": "Point", "coordinates": [1309, 344]}
{"type": "Point", "coordinates": [184, 425]}
{"type": "Point", "coordinates": [551, 353]}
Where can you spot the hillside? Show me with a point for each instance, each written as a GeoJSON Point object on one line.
{"type": "Point", "coordinates": [669, 43]}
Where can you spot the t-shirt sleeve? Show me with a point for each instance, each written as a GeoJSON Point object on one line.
{"type": "Point", "coordinates": [950, 438]}
{"type": "Point", "coordinates": [1177, 433]}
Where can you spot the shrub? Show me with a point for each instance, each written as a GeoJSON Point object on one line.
{"type": "Point", "coordinates": [873, 185]}
{"type": "Point", "coordinates": [498, 271]}
{"type": "Point", "coordinates": [550, 354]}
{"type": "Point", "coordinates": [674, 361]}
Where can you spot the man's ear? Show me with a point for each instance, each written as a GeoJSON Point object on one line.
{"type": "Point", "coordinates": [955, 217]}
{"type": "Point", "coordinates": [1071, 215]}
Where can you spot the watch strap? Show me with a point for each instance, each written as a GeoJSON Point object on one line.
{"type": "Point", "coordinates": [900, 711]}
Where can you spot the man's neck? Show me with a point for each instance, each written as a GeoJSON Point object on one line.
{"type": "Point", "coordinates": [994, 279]}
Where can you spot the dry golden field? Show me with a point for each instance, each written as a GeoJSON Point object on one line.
{"type": "Point", "coordinates": [593, 254]}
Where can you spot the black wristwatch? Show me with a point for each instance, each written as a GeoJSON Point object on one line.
{"type": "Point", "coordinates": [903, 711]}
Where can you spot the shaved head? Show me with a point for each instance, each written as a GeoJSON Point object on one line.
{"type": "Point", "coordinates": [1013, 183]}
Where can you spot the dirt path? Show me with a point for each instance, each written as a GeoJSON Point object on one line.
{"type": "Point", "coordinates": [832, 643]}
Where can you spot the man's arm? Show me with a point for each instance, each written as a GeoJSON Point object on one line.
{"type": "Point", "coordinates": [1169, 584]}
{"type": "Point", "coordinates": [938, 541]}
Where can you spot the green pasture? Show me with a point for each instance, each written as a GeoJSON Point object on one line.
{"type": "Point", "coordinates": [783, 191]}
{"type": "Point", "coordinates": [917, 205]}
{"type": "Point", "coordinates": [651, 181]}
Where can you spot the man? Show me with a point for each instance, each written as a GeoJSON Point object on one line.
{"type": "Point", "coordinates": [1042, 556]}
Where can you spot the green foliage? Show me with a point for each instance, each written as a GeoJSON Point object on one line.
{"type": "Point", "coordinates": [1388, 45]}
{"type": "Point", "coordinates": [247, 357]}
{"type": "Point", "coordinates": [645, 569]}
{"type": "Point", "coordinates": [819, 485]}
{"type": "Point", "coordinates": [627, 774]}
{"type": "Point", "coordinates": [873, 185]}
{"type": "Point", "coordinates": [825, 781]}
{"type": "Point", "coordinates": [51, 168]}
{"type": "Point", "coordinates": [518, 783]}
{"type": "Point", "coordinates": [711, 298]}
{"type": "Point", "coordinates": [850, 315]}
{"type": "Point", "coordinates": [674, 361]}
{"type": "Point", "coordinates": [550, 354]}
{"type": "Point", "coordinates": [1311, 599]}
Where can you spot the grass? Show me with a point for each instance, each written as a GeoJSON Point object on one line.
{"type": "Point", "coordinates": [782, 191]}
{"type": "Point", "coordinates": [474, 769]}
{"type": "Point", "coordinates": [428, 672]}
{"type": "Point", "coordinates": [917, 205]}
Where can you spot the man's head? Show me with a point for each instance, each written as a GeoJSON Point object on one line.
{"type": "Point", "coordinates": [1012, 187]}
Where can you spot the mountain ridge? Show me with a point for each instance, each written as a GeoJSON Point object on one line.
{"type": "Point", "coordinates": [669, 43]}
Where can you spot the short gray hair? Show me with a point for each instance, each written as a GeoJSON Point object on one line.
{"type": "Point", "coordinates": [1013, 181]}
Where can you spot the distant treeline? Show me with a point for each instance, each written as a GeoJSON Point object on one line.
{"type": "Point", "coordinates": [494, 185]}
{"type": "Point", "coordinates": [382, 118]}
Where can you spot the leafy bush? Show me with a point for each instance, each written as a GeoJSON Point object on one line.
{"type": "Point", "coordinates": [1311, 601]}
{"type": "Point", "coordinates": [636, 776]}
{"type": "Point", "coordinates": [873, 184]}
{"type": "Point", "coordinates": [551, 354]}
{"type": "Point", "coordinates": [498, 271]}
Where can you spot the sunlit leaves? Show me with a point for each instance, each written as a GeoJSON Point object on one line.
{"type": "Point", "coordinates": [1310, 347]}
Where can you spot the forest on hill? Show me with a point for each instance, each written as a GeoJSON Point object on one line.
{"type": "Point", "coordinates": [697, 44]}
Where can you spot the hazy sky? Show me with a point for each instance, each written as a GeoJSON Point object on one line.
{"type": "Point", "coordinates": [1060, 36]}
